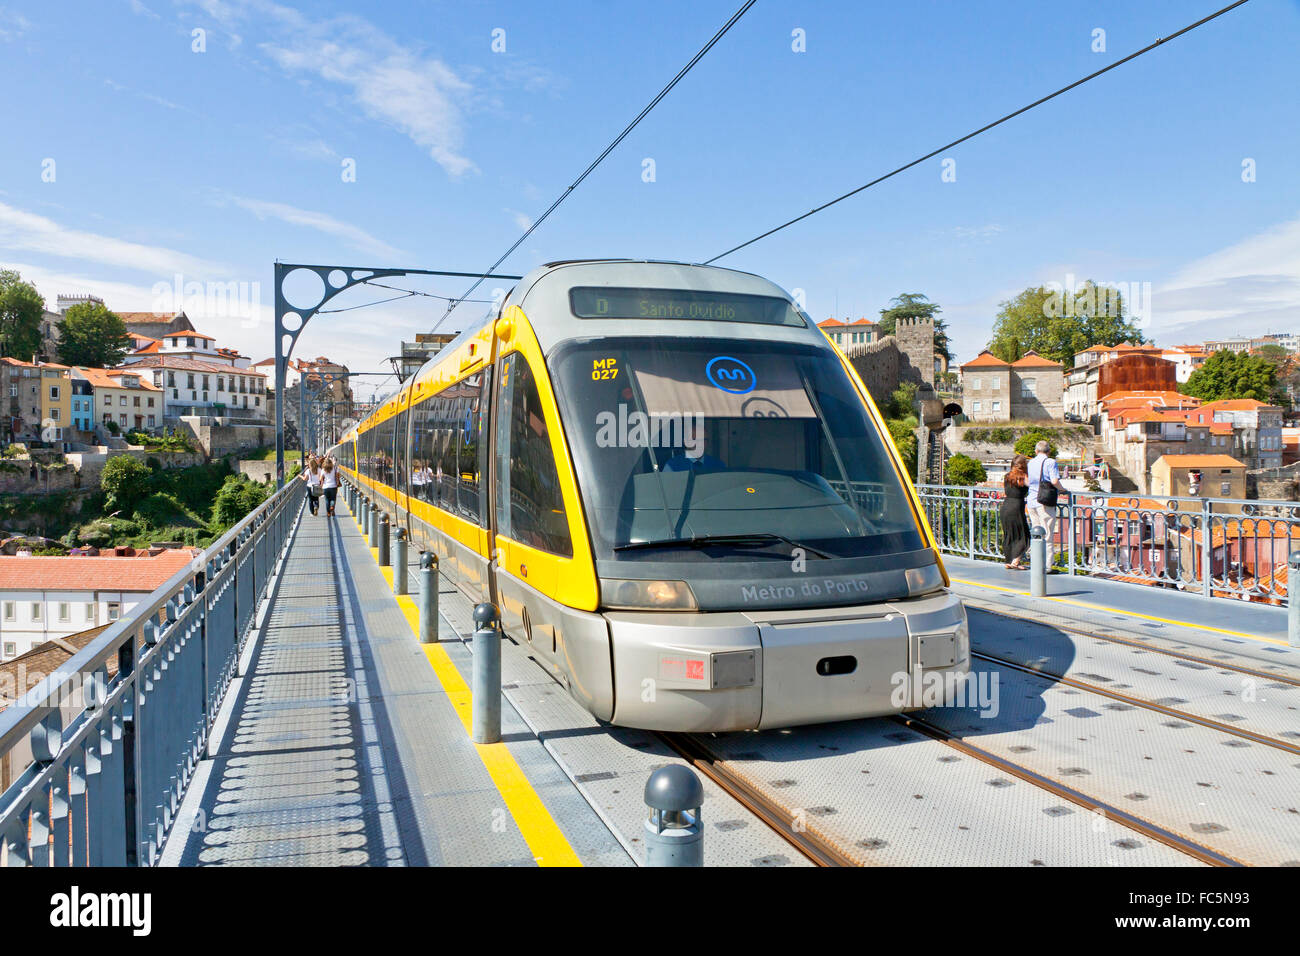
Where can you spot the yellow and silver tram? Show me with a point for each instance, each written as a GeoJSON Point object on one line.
{"type": "Point", "coordinates": [680, 496]}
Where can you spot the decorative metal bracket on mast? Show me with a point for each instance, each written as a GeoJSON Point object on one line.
{"type": "Point", "coordinates": [290, 320]}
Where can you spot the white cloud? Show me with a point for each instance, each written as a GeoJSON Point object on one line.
{"type": "Point", "coordinates": [522, 221]}
{"type": "Point", "coordinates": [12, 25]}
{"type": "Point", "coordinates": [140, 10]}
{"type": "Point", "coordinates": [416, 94]}
{"type": "Point", "coordinates": [28, 232]}
{"type": "Point", "coordinates": [1246, 288]}
{"type": "Point", "coordinates": [319, 221]}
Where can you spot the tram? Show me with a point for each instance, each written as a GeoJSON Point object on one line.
{"type": "Point", "coordinates": [679, 495]}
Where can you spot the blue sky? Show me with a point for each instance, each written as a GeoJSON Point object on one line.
{"type": "Point", "coordinates": [213, 164]}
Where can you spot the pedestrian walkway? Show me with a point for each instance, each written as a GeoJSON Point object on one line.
{"type": "Point", "coordinates": [341, 747]}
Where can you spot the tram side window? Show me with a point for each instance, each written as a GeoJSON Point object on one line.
{"type": "Point", "coordinates": [530, 504]}
{"type": "Point", "coordinates": [422, 438]}
{"type": "Point", "coordinates": [400, 471]}
{"type": "Point", "coordinates": [384, 453]}
{"type": "Point", "coordinates": [467, 433]}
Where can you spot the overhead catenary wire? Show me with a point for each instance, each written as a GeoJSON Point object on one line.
{"type": "Point", "coordinates": [1160, 41]}
{"type": "Point", "coordinates": [735, 17]}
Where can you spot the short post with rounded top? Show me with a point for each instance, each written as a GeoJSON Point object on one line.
{"type": "Point", "coordinates": [674, 828]}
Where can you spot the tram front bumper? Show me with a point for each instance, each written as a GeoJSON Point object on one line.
{"type": "Point", "coordinates": [750, 670]}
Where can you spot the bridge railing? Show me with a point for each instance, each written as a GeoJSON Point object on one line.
{"type": "Point", "coordinates": [1215, 547]}
{"type": "Point", "coordinates": [97, 756]}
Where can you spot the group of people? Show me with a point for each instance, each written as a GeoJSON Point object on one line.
{"type": "Point", "coordinates": [1032, 487]}
{"type": "Point", "coordinates": [322, 477]}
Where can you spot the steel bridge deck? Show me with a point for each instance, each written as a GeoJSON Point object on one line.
{"type": "Point", "coordinates": [342, 746]}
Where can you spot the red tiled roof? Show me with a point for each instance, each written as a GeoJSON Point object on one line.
{"type": "Point", "coordinates": [139, 574]}
{"type": "Point", "coordinates": [149, 349]}
{"type": "Point", "coordinates": [1236, 405]}
{"type": "Point", "coordinates": [986, 359]}
{"type": "Point", "coordinates": [1032, 359]}
{"type": "Point", "coordinates": [192, 365]}
{"type": "Point", "coordinates": [1199, 461]}
{"type": "Point", "coordinates": [107, 378]}
{"type": "Point", "coordinates": [148, 318]}
{"type": "Point", "coordinates": [829, 324]}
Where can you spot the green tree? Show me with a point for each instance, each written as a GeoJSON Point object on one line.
{"type": "Point", "coordinates": [916, 305]}
{"type": "Point", "coordinates": [237, 497]}
{"type": "Point", "coordinates": [1031, 437]}
{"type": "Point", "coordinates": [1227, 375]}
{"type": "Point", "coordinates": [21, 308]}
{"type": "Point", "coordinates": [1058, 324]}
{"type": "Point", "coordinates": [964, 470]}
{"type": "Point", "coordinates": [902, 431]}
{"type": "Point", "coordinates": [125, 481]}
{"type": "Point", "coordinates": [92, 336]}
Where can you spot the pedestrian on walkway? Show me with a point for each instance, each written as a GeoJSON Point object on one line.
{"type": "Point", "coordinates": [1043, 491]}
{"type": "Point", "coordinates": [1015, 525]}
{"type": "Point", "coordinates": [311, 474]}
{"type": "Point", "coordinates": [329, 482]}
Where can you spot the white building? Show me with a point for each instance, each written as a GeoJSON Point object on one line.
{"type": "Point", "coordinates": [192, 387]}
{"type": "Point", "coordinates": [49, 598]}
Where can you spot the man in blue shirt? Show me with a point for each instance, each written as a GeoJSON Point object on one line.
{"type": "Point", "coordinates": [1043, 469]}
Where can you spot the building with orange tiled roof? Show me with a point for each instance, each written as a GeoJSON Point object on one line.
{"type": "Point", "coordinates": [844, 334]}
{"type": "Point", "coordinates": [125, 396]}
{"type": "Point", "coordinates": [155, 324]}
{"type": "Point", "coordinates": [48, 598]}
{"type": "Point", "coordinates": [996, 391]}
{"type": "Point", "coordinates": [205, 388]}
{"type": "Point", "coordinates": [1102, 370]}
{"type": "Point", "coordinates": [1210, 476]}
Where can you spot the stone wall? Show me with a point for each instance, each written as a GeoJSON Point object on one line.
{"type": "Point", "coordinates": [260, 470]}
{"type": "Point", "coordinates": [1068, 444]}
{"type": "Point", "coordinates": [220, 440]}
{"type": "Point", "coordinates": [43, 481]}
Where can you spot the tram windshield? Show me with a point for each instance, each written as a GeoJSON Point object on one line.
{"type": "Point", "coordinates": [682, 443]}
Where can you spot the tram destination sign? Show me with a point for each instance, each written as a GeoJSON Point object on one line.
{"type": "Point", "coordinates": [621, 302]}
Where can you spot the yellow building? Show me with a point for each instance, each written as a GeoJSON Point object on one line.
{"type": "Point", "coordinates": [56, 401]}
{"type": "Point", "coordinates": [1198, 476]}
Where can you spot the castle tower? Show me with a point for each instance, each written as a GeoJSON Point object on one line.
{"type": "Point", "coordinates": [916, 341]}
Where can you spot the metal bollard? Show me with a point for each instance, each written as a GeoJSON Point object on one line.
{"type": "Point", "coordinates": [385, 539]}
{"type": "Point", "coordinates": [365, 519]}
{"type": "Point", "coordinates": [428, 598]}
{"type": "Point", "coordinates": [486, 699]}
{"type": "Point", "coordinates": [1037, 562]}
{"type": "Point", "coordinates": [399, 563]}
{"type": "Point", "coordinates": [375, 512]}
{"type": "Point", "coordinates": [1293, 599]}
{"type": "Point", "coordinates": [674, 830]}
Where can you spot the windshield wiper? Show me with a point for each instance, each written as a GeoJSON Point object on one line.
{"type": "Point", "coordinates": [703, 540]}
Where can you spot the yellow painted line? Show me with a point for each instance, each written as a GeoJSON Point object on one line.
{"type": "Point", "coordinates": [536, 825]}
{"type": "Point", "coordinates": [1115, 610]}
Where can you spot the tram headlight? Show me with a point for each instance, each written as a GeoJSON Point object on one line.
{"type": "Point", "coordinates": [639, 595]}
{"type": "Point", "coordinates": [923, 580]}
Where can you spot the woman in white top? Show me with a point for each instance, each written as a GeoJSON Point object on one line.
{"type": "Point", "coordinates": [312, 475]}
{"type": "Point", "coordinates": [329, 482]}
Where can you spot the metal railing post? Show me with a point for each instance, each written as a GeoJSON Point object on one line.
{"type": "Point", "coordinates": [970, 517]}
{"type": "Point", "coordinates": [1207, 552]}
{"type": "Point", "coordinates": [399, 563]}
{"type": "Point", "coordinates": [486, 699]}
{"type": "Point", "coordinates": [1037, 562]}
{"type": "Point", "coordinates": [1292, 601]}
{"type": "Point", "coordinates": [428, 598]}
{"type": "Point", "coordinates": [1069, 534]}
{"type": "Point", "coordinates": [385, 528]}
